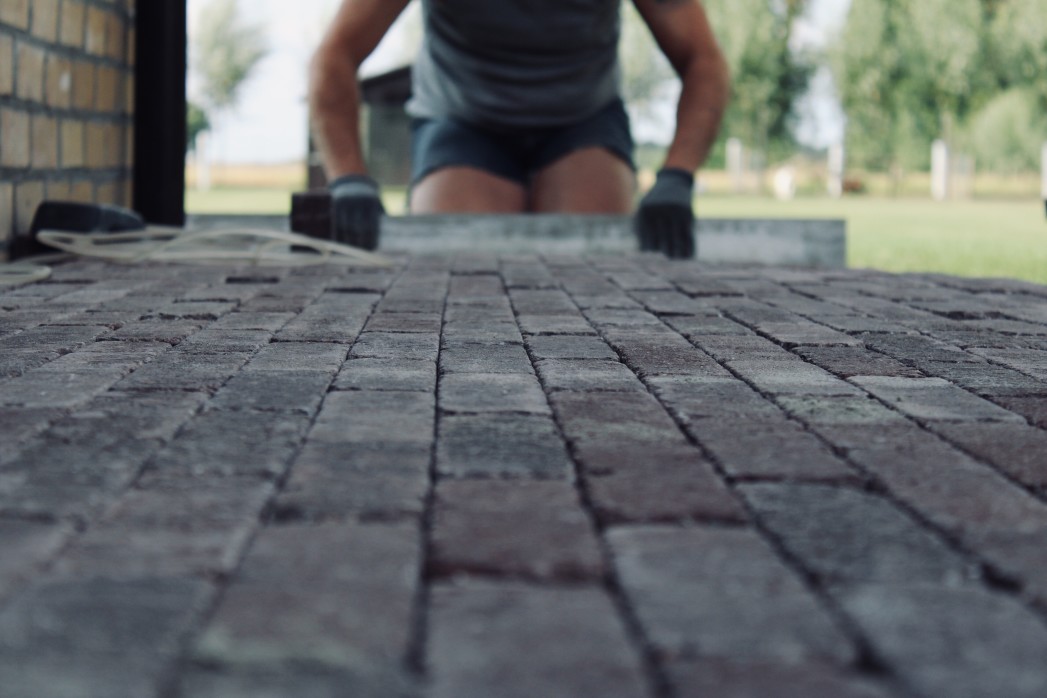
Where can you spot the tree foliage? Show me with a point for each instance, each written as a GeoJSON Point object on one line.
{"type": "Point", "coordinates": [226, 50]}
{"type": "Point", "coordinates": [196, 122]}
{"type": "Point", "coordinates": [911, 71]}
{"type": "Point", "coordinates": [768, 75]}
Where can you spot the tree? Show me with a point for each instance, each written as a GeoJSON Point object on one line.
{"type": "Point", "coordinates": [1018, 35]}
{"type": "Point", "coordinates": [226, 50]}
{"type": "Point", "coordinates": [196, 122]}
{"type": "Point", "coordinates": [768, 76]}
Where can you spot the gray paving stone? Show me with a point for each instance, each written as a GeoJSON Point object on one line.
{"type": "Point", "coordinates": [582, 375]}
{"type": "Point", "coordinates": [466, 357]}
{"type": "Point", "coordinates": [297, 356]}
{"type": "Point", "coordinates": [523, 530]}
{"type": "Point", "coordinates": [954, 642]}
{"type": "Point", "coordinates": [46, 387]}
{"type": "Point", "coordinates": [492, 392]}
{"type": "Point", "coordinates": [499, 445]}
{"type": "Point", "coordinates": [697, 678]}
{"type": "Point", "coordinates": [213, 341]}
{"type": "Point", "coordinates": [169, 527]}
{"type": "Point", "coordinates": [417, 375]}
{"type": "Point", "coordinates": [721, 592]}
{"type": "Point", "coordinates": [269, 322]}
{"type": "Point", "coordinates": [1016, 449]}
{"type": "Point", "coordinates": [856, 361]}
{"type": "Point", "coordinates": [933, 399]}
{"type": "Point", "coordinates": [569, 347]}
{"type": "Point", "coordinates": [390, 345]}
{"type": "Point", "coordinates": [298, 679]}
{"type": "Point", "coordinates": [339, 594]}
{"type": "Point", "coordinates": [372, 416]}
{"type": "Point", "coordinates": [614, 418]}
{"type": "Point", "coordinates": [178, 370]}
{"type": "Point", "coordinates": [234, 442]}
{"type": "Point", "coordinates": [278, 391]}
{"type": "Point", "coordinates": [169, 331]}
{"type": "Point", "coordinates": [97, 637]}
{"type": "Point", "coordinates": [566, 324]}
{"type": "Point", "coordinates": [28, 546]}
{"type": "Point", "coordinates": [491, 639]}
{"type": "Point", "coordinates": [790, 378]}
{"type": "Point", "coordinates": [404, 322]}
{"type": "Point", "coordinates": [848, 537]}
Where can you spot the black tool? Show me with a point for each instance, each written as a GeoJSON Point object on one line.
{"type": "Point", "coordinates": [74, 217]}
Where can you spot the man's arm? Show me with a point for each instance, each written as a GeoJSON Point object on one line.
{"type": "Point", "coordinates": [334, 99]}
{"type": "Point", "coordinates": [684, 35]}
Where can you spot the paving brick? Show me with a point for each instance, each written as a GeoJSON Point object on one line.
{"type": "Point", "coordinates": [953, 642]}
{"type": "Point", "coordinates": [169, 331]}
{"type": "Point", "coordinates": [730, 347]}
{"type": "Point", "coordinates": [614, 418]}
{"type": "Point", "coordinates": [933, 399]}
{"type": "Point", "coordinates": [338, 594]}
{"type": "Point", "coordinates": [169, 527]}
{"type": "Point", "coordinates": [840, 410]}
{"type": "Point", "coordinates": [373, 417]}
{"type": "Point", "coordinates": [656, 358]}
{"type": "Point", "coordinates": [790, 378]}
{"type": "Point", "coordinates": [1033, 409]}
{"type": "Point", "coordinates": [356, 481]}
{"type": "Point", "coordinates": [47, 387]}
{"type": "Point", "coordinates": [297, 356]}
{"type": "Point", "coordinates": [533, 302]}
{"type": "Point", "coordinates": [271, 322]}
{"type": "Point", "coordinates": [856, 361]}
{"type": "Point", "coordinates": [696, 678]}
{"type": "Point", "coordinates": [28, 546]}
{"type": "Point", "coordinates": [234, 442]}
{"type": "Point", "coordinates": [302, 680]}
{"type": "Point", "coordinates": [96, 637]}
{"type": "Point", "coordinates": [387, 345]}
{"type": "Point", "coordinates": [279, 391]}
{"type": "Point", "coordinates": [569, 347]}
{"type": "Point", "coordinates": [404, 322]}
{"type": "Point", "coordinates": [490, 639]}
{"type": "Point", "coordinates": [180, 370]}
{"type": "Point", "coordinates": [721, 592]}
{"type": "Point", "coordinates": [651, 483]}
{"type": "Point", "coordinates": [846, 537]}
{"type": "Point", "coordinates": [492, 392]}
{"type": "Point", "coordinates": [484, 358]}
{"type": "Point", "coordinates": [1016, 449]}
{"type": "Point", "coordinates": [387, 374]}
{"type": "Point", "coordinates": [498, 445]}
{"type": "Point", "coordinates": [694, 327]}
{"type": "Point", "coordinates": [211, 341]}
{"type": "Point", "coordinates": [587, 376]}
{"type": "Point", "coordinates": [526, 530]}
{"type": "Point", "coordinates": [987, 380]}
{"type": "Point", "coordinates": [693, 398]}
{"type": "Point", "coordinates": [18, 425]}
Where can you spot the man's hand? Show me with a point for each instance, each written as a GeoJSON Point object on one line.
{"type": "Point", "coordinates": [356, 211]}
{"type": "Point", "coordinates": [665, 221]}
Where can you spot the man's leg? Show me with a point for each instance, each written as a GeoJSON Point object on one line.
{"type": "Point", "coordinates": [466, 190]}
{"type": "Point", "coordinates": [589, 180]}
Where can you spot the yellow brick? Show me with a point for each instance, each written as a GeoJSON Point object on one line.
{"type": "Point", "coordinates": [116, 38]}
{"type": "Point", "coordinates": [28, 196]}
{"type": "Point", "coordinates": [45, 19]}
{"type": "Point", "coordinates": [83, 85]}
{"type": "Point", "coordinates": [7, 211]}
{"type": "Point", "coordinates": [15, 13]}
{"type": "Point", "coordinates": [14, 138]}
{"type": "Point", "coordinates": [58, 190]}
{"type": "Point", "coordinates": [72, 135]}
{"type": "Point", "coordinates": [129, 146]}
{"type": "Point", "coordinates": [71, 30]}
{"type": "Point", "coordinates": [96, 25]}
{"type": "Point", "coordinates": [131, 46]}
{"type": "Point", "coordinates": [45, 142]}
{"type": "Point", "coordinates": [59, 81]}
{"type": "Point", "coordinates": [129, 93]}
{"type": "Point", "coordinates": [108, 93]}
{"type": "Point", "coordinates": [108, 193]}
{"type": "Point", "coordinates": [30, 73]}
{"type": "Point", "coordinates": [7, 65]}
{"type": "Point", "coordinates": [82, 191]}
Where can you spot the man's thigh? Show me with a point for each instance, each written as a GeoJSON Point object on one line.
{"type": "Point", "coordinates": [462, 189]}
{"type": "Point", "coordinates": [589, 180]}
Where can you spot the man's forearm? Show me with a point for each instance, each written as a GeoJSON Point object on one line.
{"type": "Point", "coordinates": [703, 99]}
{"type": "Point", "coordinates": [334, 105]}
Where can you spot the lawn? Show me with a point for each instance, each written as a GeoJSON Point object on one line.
{"type": "Point", "coordinates": [967, 238]}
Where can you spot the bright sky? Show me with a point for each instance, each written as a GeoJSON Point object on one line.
{"type": "Point", "coordinates": [269, 125]}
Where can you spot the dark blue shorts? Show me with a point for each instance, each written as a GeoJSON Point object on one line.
{"type": "Point", "coordinates": [515, 153]}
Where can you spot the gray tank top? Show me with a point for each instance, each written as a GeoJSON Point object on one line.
{"type": "Point", "coordinates": [506, 63]}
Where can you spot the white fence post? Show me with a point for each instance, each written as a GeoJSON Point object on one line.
{"type": "Point", "coordinates": [736, 164]}
{"type": "Point", "coordinates": [836, 168]}
{"type": "Point", "coordinates": [1043, 169]}
{"type": "Point", "coordinates": [939, 170]}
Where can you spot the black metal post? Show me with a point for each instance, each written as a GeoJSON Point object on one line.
{"type": "Point", "coordinates": [160, 129]}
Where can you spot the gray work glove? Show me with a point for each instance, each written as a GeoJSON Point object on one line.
{"type": "Point", "coordinates": [664, 220]}
{"type": "Point", "coordinates": [356, 211]}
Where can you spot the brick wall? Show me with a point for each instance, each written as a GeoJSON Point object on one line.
{"type": "Point", "coordinates": [66, 103]}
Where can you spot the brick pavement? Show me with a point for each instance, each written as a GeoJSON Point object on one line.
{"type": "Point", "coordinates": [522, 476]}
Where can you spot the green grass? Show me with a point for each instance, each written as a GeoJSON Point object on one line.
{"type": "Point", "coordinates": [966, 238]}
